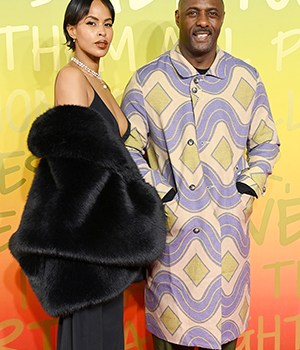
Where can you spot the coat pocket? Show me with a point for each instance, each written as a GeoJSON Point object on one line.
{"type": "Point", "coordinates": [170, 212]}
{"type": "Point", "coordinates": [247, 205]}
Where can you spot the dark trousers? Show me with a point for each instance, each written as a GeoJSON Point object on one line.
{"type": "Point", "coordinates": [160, 344]}
{"type": "Point", "coordinates": [96, 328]}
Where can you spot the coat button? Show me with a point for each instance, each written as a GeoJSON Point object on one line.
{"type": "Point", "coordinates": [190, 142]}
{"type": "Point", "coordinates": [196, 230]}
{"type": "Point", "coordinates": [196, 80]}
{"type": "Point", "coordinates": [194, 90]}
{"type": "Point", "coordinates": [192, 187]}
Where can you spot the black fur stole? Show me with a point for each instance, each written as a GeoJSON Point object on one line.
{"type": "Point", "coordinates": [90, 221]}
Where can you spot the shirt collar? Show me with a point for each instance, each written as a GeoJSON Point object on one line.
{"type": "Point", "coordinates": [186, 70]}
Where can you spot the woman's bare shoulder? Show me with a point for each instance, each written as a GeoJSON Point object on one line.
{"type": "Point", "coordinates": [69, 75]}
{"type": "Point", "coordinates": [71, 87]}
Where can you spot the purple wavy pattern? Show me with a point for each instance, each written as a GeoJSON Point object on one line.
{"type": "Point", "coordinates": [177, 124]}
{"type": "Point", "coordinates": [231, 227]}
{"type": "Point", "coordinates": [269, 150]}
{"type": "Point", "coordinates": [195, 202]}
{"type": "Point", "coordinates": [231, 302]}
{"type": "Point", "coordinates": [153, 327]}
{"type": "Point", "coordinates": [201, 337]}
{"type": "Point", "coordinates": [165, 66]}
{"type": "Point", "coordinates": [133, 103]}
{"type": "Point", "coordinates": [220, 111]}
{"type": "Point", "coordinates": [208, 237]}
{"type": "Point", "coordinates": [225, 196]}
{"type": "Point", "coordinates": [225, 68]}
{"type": "Point", "coordinates": [230, 331]}
{"type": "Point", "coordinates": [198, 336]}
{"type": "Point", "coordinates": [261, 99]}
{"type": "Point", "coordinates": [197, 310]}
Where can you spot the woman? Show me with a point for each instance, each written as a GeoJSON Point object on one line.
{"type": "Point", "coordinates": [90, 222]}
{"type": "Point", "coordinates": [88, 28]}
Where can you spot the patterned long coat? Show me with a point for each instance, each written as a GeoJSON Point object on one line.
{"type": "Point", "coordinates": [201, 134]}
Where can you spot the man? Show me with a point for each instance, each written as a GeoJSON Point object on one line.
{"type": "Point", "coordinates": [202, 118]}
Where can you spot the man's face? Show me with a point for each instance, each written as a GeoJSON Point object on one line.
{"type": "Point", "coordinates": [199, 23]}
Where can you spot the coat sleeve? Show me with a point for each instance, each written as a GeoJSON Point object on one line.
{"type": "Point", "coordinates": [133, 106]}
{"type": "Point", "coordinates": [263, 143]}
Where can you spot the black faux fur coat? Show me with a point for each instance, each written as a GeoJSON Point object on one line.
{"type": "Point", "coordinates": [90, 221]}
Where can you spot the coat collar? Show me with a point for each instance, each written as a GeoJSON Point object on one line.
{"type": "Point", "coordinates": [186, 70]}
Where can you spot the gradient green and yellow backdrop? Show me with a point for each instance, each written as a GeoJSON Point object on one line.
{"type": "Point", "coordinates": [265, 33]}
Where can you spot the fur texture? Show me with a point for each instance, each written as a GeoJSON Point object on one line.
{"type": "Point", "coordinates": [90, 221]}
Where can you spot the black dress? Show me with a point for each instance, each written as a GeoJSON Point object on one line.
{"type": "Point", "coordinates": [99, 327]}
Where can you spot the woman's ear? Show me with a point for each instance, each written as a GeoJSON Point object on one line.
{"type": "Point", "coordinates": [71, 31]}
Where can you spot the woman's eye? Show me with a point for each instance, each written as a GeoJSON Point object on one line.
{"type": "Point", "coordinates": [108, 25]}
{"type": "Point", "coordinates": [90, 23]}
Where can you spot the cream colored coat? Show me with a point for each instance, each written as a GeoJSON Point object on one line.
{"type": "Point", "coordinates": [201, 135]}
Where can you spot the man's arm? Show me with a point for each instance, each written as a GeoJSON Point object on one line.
{"type": "Point", "coordinates": [262, 146]}
{"type": "Point", "coordinates": [137, 143]}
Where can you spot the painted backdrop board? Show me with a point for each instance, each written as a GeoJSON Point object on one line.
{"type": "Point", "coordinates": [265, 33]}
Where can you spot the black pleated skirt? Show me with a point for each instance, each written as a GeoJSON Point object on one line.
{"type": "Point", "coordinates": [97, 328]}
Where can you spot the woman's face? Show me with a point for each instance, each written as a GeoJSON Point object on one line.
{"type": "Point", "coordinates": [93, 33]}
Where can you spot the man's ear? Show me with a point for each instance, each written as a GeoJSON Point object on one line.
{"type": "Point", "coordinates": [223, 17]}
{"type": "Point", "coordinates": [177, 17]}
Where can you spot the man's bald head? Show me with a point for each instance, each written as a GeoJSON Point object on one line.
{"type": "Point", "coordinates": [180, 2]}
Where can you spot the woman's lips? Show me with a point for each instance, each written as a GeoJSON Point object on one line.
{"type": "Point", "coordinates": [102, 44]}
